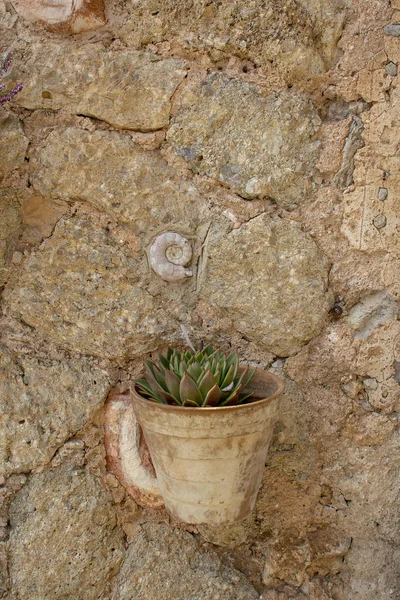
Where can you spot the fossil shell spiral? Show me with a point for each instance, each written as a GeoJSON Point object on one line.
{"type": "Point", "coordinates": [169, 255]}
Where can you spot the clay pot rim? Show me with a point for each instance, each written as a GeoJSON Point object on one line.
{"type": "Point", "coordinates": [280, 384]}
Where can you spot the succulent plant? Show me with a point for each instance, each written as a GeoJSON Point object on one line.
{"type": "Point", "coordinates": [203, 378]}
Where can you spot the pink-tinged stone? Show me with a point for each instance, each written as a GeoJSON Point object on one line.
{"type": "Point", "coordinates": [63, 15]}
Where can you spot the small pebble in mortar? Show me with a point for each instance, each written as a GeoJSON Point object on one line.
{"type": "Point", "coordinates": [391, 68]}
{"type": "Point", "coordinates": [382, 193]}
{"type": "Point", "coordinates": [169, 254]}
{"type": "Point", "coordinates": [379, 221]}
{"type": "Point", "coordinates": [393, 29]}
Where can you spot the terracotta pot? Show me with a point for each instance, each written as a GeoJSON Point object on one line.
{"type": "Point", "coordinates": [209, 461]}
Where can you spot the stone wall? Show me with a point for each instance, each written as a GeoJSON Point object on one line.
{"type": "Point", "coordinates": [266, 133]}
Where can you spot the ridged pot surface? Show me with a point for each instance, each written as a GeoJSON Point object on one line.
{"type": "Point", "coordinates": [209, 461]}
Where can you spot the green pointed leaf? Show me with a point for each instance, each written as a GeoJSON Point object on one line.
{"type": "Point", "coordinates": [200, 357]}
{"type": "Point", "coordinates": [188, 390]}
{"type": "Point", "coordinates": [159, 375]}
{"type": "Point", "coordinates": [243, 376]}
{"type": "Point", "coordinates": [228, 380]}
{"type": "Point", "coordinates": [157, 384]}
{"type": "Point", "coordinates": [206, 365]}
{"type": "Point", "coordinates": [213, 397]}
{"type": "Point", "coordinates": [244, 397]}
{"type": "Point", "coordinates": [246, 377]}
{"type": "Point", "coordinates": [190, 403]}
{"type": "Point", "coordinates": [195, 371]}
{"type": "Point", "coordinates": [147, 392]}
{"type": "Point", "coordinates": [151, 380]}
{"type": "Point", "coordinates": [169, 399]}
{"type": "Point", "coordinates": [169, 353]}
{"type": "Point", "coordinates": [233, 398]}
{"type": "Point", "coordinates": [172, 382]}
{"type": "Point", "coordinates": [163, 360]}
{"type": "Point", "coordinates": [182, 368]}
{"type": "Point", "coordinates": [233, 359]}
{"type": "Point", "coordinates": [208, 350]}
{"type": "Point", "coordinates": [206, 383]}
{"type": "Point", "coordinates": [143, 383]}
{"type": "Point", "coordinates": [175, 361]}
{"type": "Point", "coordinates": [149, 365]}
{"type": "Point", "coordinates": [217, 374]}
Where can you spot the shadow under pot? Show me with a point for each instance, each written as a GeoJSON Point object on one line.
{"type": "Point", "coordinates": [209, 462]}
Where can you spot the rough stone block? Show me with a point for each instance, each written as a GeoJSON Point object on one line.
{"type": "Point", "coordinates": [64, 538]}
{"type": "Point", "coordinates": [108, 170]}
{"type": "Point", "coordinates": [163, 563]}
{"type": "Point", "coordinates": [44, 402]}
{"type": "Point", "coordinates": [10, 230]}
{"type": "Point", "coordinates": [264, 31]}
{"type": "Point", "coordinates": [270, 279]}
{"type": "Point", "coordinates": [128, 89]}
{"type": "Point", "coordinates": [259, 146]}
{"type": "Point", "coordinates": [82, 289]}
{"type": "Point", "coordinates": [13, 143]}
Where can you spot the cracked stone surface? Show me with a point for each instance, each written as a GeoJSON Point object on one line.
{"type": "Point", "coordinates": [74, 513]}
{"type": "Point", "coordinates": [63, 17]}
{"type": "Point", "coordinates": [128, 89]}
{"type": "Point", "coordinates": [163, 563]}
{"type": "Point", "coordinates": [175, 133]}
{"type": "Point", "coordinates": [108, 170]}
{"type": "Point", "coordinates": [13, 143]}
{"type": "Point", "coordinates": [44, 402]}
{"type": "Point", "coordinates": [298, 37]}
{"type": "Point", "coordinates": [371, 312]}
{"type": "Point", "coordinates": [257, 145]}
{"type": "Point", "coordinates": [376, 167]}
{"type": "Point", "coordinates": [270, 279]}
{"type": "Point", "coordinates": [82, 289]}
{"type": "Point", "coordinates": [10, 230]}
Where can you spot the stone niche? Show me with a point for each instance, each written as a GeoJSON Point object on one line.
{"type": "Point", "coordinates": [70, 16]}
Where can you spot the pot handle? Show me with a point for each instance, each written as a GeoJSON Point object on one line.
{"type": "Point", "coordinates": [128, 457]}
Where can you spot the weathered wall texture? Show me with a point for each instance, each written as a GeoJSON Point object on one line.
{"type": "Point", "coordinates": [266, 133]}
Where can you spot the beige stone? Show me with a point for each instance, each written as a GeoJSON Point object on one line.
{"type": "Point", "coordinates": [319, 370]}
{"type": "Point", "coordinates": [369, 430]}
{"type": "Point", "coordinates": [13, 143]}
{"type": "Point", "coordinates": [108, 170]}
{"type": "Point", "coordinates": [7, 16]}
{"type": "Point", "coordinates": [261, 31]}
{"type": "Point", "coordinates": [380, 561]}
{"type": "Point", "coordinates": [65, 541]}
{"type": "Point", "coordinates": [44, 402]}
{"type": "Point", "coordinates": [82, 288]}
{"type": "Point", "coordinates": [370, 223]}
{"type": "Point", "coordinates": [373, 311]}
{"type": "Point", "coordinates": [39, 216]}
{"type": "Point", "coordinates": [293, 559]}
{"type": "Point", "coordinates": [376, 361]}
{"type": "Point", "coordinates": [332, 470]}
{"type": "Point", "coordinates": [373, 83]}
{"type": "Point", "coordinates": [259, 146]}
{"type": "Point", "coordinates": [163, 563]}
{"type": "Point", "coordinates": [10, 230]}
{"type": "Point", "coordinates": [270, 279]}
{"type": "Point", "coordinates": [332, 135]}
{"type": "Point", "coordinates": [128, 89]}
{"type": "Point", "coordinates": [328, 546]}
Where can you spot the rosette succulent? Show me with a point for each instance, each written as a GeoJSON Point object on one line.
{"type": "Point", "coordinates": [196, 379]}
